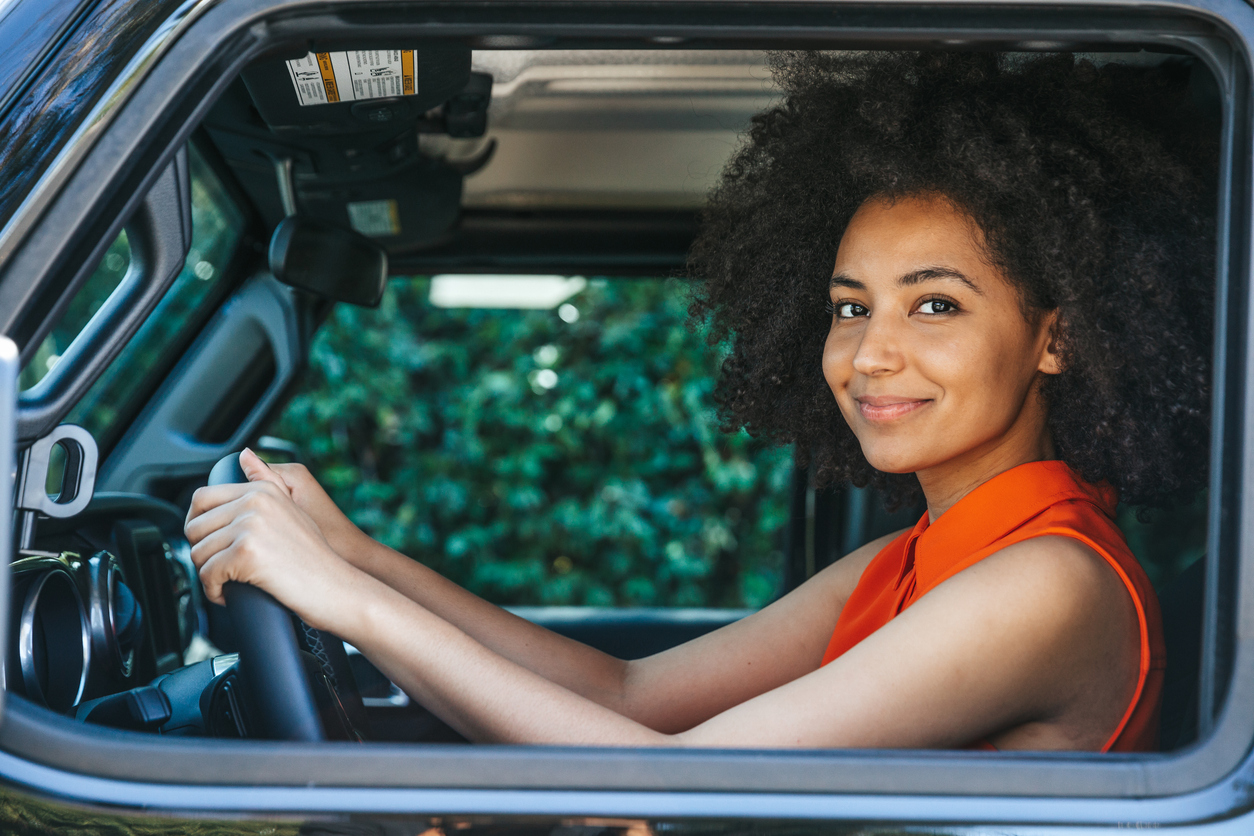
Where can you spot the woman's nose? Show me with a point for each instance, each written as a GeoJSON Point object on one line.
{"type": "Point", "coordinates": [879, 350]}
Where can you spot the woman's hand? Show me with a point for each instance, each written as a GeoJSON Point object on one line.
{"type": "Point", "coordinates": [349, 541]}
{"type": "Point", "coordinates": [255, 533]}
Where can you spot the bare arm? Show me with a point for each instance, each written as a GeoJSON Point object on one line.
{"type": "Point", "coordinates": [728, 666]}
{"type": "Point", "coordinates": [1024, 639]}
{"type": "Point", "coordinates": [1006, 647]}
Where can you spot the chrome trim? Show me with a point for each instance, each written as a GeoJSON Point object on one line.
{"type": "Point", "coordinates": [396, 698]}
{"type": "Point", "coordinates": [26, 638]}
{"type": "Point", "coordinates": [10, 365]}
{"type": "Point", "coordinates": [103, 577]}
{"type": "Point", "coordinates": [102, 114]}
{"type": "Point", "coordinates": [223, 663]}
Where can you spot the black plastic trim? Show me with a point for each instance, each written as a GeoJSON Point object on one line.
{"type": "Point", "coordinates": [159, 234]}
{"type": "Point", "coordinates": [612, 243]}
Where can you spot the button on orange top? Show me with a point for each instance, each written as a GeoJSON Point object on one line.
{"type": "Point", "coordinates": [1031, 500]}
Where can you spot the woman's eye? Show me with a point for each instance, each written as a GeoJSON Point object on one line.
{"type": "Point", "coordinates": [847, 310]}
{"type": "Point", "coordinates": [937, 306]}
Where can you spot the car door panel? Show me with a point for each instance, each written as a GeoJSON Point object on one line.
{"type": "Point", "coordinates": [630, 632]}
{"type": "Point", "coordinates": [237, 369]}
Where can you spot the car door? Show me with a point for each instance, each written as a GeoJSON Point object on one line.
{"type": "Point", "coordinates": [124, 128]}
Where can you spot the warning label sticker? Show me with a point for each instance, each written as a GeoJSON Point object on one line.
{"type": "Point", "coordinates": [374, 218]}
{"type": "Point", "coordinates": [326, 77]}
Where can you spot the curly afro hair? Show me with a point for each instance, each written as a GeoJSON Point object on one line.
{"type": "Point", "coordinates": [1094, 187]}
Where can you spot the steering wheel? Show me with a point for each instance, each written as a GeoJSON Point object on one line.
{"type": "Point", "coordinates": [297, 680]}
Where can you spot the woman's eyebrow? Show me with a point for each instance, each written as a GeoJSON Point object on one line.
{"type": "Point", "coordinates": [913, 277]}
{"type": "Point", "coordinates": [929, 273]}
{"type": "Point", "coordinates": [842, 280]}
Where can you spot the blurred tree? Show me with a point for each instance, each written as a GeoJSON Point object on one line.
{"type": "Point", "coordinates": [539, 458]}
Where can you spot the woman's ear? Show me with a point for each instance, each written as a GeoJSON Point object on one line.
{"type": "Point", "coordinates": [1050, 360]}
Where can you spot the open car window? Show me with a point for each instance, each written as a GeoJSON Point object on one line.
{"type": "Point", "coordinates": [544, 440]}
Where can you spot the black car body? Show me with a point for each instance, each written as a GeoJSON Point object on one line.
{"type": "Point", "coordinates": [98, 104]}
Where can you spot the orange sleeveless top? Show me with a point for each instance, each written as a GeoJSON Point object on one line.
{"type": "Point", "coordinates": [1031, 500]}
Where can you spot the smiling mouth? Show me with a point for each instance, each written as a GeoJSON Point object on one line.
{"type": "Point", "coordinates": [887, 408]}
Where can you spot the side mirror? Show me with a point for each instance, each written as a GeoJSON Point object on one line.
{"type": "Point", "coordinates": [336, 263]}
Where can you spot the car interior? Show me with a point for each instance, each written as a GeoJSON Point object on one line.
{"type": "Point", "coordinates": [499, 176]}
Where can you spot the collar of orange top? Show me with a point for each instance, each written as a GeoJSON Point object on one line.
{"type": "Point", "coordinates": [993, 510]}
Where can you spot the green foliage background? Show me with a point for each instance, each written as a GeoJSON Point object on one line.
{"type": "Point", "coordinates": [436, 431]}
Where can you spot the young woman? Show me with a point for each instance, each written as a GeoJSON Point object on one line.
{"type": "Point", "coordinates": [982, 278]}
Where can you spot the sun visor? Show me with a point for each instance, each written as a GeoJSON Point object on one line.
{"type": "Point", "coordinates": [333, 136]}
{"type": "Point", "coordinates": [415, 203]}
{"type": "Point", "coordinates": [351, 90]}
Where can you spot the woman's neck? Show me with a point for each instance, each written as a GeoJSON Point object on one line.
{"type": "Point", "coordinates": [1028, 440]}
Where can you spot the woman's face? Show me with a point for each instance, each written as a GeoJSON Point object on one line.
{"type": "Point", "coordinates": [929, 355]}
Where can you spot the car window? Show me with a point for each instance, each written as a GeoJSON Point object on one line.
{"type": "Point", "coordinates": [82, 307]}
{"type": "Point", "coordinates": [566, 454]}
{"type": "Point", "coordinates": [217, 223]}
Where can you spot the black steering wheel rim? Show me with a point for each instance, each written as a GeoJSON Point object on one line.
{"type": "Point", "coordinates": [273, 670]}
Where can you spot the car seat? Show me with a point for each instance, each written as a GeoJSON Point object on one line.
{"type": "Point", "coordinates": [1181, 604]}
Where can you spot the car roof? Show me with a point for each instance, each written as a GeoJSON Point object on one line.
{"type": "Point", "coordinates": [617, 129]}
{"type": "Point", "coordinates": [593, 160]}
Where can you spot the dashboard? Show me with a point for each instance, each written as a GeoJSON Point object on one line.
{"type": "Point", "coordinates": [105, 603]}
{"type": "Point", "coordinates": [109, 626]}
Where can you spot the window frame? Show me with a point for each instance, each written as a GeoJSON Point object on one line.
{"type": "Point", "coordinates": [243, 262]}
{"type": "Point", "coordinates": [51, 754]}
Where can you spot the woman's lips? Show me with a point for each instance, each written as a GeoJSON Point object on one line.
{"type": "Point", "coordinates": [888, 407]}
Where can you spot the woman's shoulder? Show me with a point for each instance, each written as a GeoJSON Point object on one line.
{"type": "Point", "coordinates": [1056, 560]}
{"type": "Point", "coordinates": [1060, 592]}
{"type": "Point", "coordinates": [1074, 538]}
{"type": "Point", "coordinates": [1071, 588]}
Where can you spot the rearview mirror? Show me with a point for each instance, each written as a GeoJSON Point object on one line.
{"type": "Point", "coordinates": [327, 260]}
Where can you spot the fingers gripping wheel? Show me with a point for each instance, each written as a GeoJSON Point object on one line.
{"type": "Point", "coordinates": [275, 674]}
